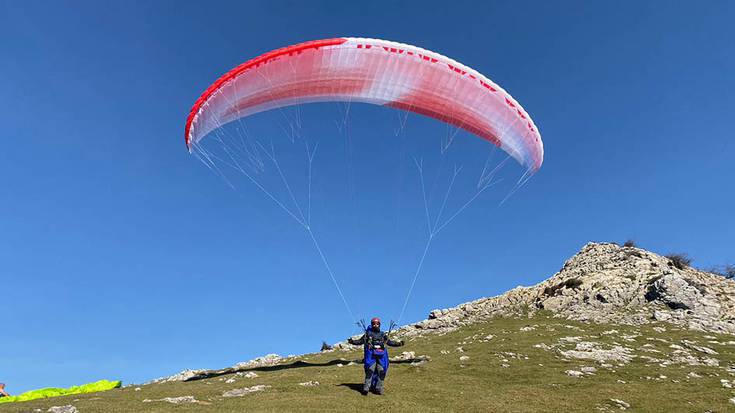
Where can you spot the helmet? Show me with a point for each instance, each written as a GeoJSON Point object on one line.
{"type": "Point", "coordinates": [375, 320]}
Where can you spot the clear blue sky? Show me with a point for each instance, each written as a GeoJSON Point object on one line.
{"type": "Point", "coordinates": [123, 257]}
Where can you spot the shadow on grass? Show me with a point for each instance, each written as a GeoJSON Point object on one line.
{"type": "Point", "coordinates": [353, 386]}
{"type": "Point", "coordinates": [208, 374]}
{"type": "Point", "coordinates": [295, 365]}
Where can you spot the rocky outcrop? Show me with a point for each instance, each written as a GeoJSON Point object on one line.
{"type": "Point", "coordinates": [192, 375]}
{"type": "Point", "coordinates": [184, 375]}
{"type": "Point", "coordinates": [267, 360]}
{"type": "Point", "coordinates": [607, 283]}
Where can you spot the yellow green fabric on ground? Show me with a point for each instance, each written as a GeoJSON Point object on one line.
{"type": "Point", "coordinates": [101, 385]}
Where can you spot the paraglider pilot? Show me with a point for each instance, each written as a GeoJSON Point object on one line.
{"type": "Point", "coordinates": [376, 355]}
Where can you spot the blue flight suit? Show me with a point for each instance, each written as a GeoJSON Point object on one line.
{"type": "Point", "coordinates": [375, 359]}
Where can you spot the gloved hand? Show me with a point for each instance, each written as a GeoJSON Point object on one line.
{"type": "Point", "coordinates": [400, 343]}
{"type": "Point", "coordinates": [351, 341]}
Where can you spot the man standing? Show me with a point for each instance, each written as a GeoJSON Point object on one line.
{"type": "Point", "coordinates": [3, 393]}
{"type": "Point", "coordinates": [376, 355]}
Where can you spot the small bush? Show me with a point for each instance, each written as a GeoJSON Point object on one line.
{"type": "Point", "coordinates": [679, 260]}
{"type": "Point", "coordinates": [727, 271]}
{"type": "Point", "coordinates": [629, 244]}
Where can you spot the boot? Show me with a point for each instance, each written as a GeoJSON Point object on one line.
{"type": "Point", "coordinates": [379, 388]}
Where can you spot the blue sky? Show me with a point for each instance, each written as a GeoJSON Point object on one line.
{"type": "Point", "coordinates": [123, 257]}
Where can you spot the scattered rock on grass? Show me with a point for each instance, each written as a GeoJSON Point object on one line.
{"type": "Point", "coordinates": [588, 370]}
{"type": "Point", "coordinates": [244, 391]}
{"type": "Point", "coordinates": [621, 404]}
{"type": "Point", "coordinates": [406, 355]}
{"type": "Point", "coordinates": [63, 409]}
{"type": "Point", "coordinates": [592, 351]}
{"type": "Point", "coordinates": [174, 400]}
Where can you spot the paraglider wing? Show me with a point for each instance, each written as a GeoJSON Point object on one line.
{"type": "Point", "coordinates": [371, 71]}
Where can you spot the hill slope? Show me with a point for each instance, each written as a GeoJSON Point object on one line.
{"type": "Point", "coordinates": [660, 341]}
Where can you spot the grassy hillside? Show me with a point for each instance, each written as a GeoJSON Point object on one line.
{"type": "Point", "coordinates": [521, 368]}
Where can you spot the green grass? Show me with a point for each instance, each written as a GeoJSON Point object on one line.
{"type": "Point", "coordinates": [534, 381]}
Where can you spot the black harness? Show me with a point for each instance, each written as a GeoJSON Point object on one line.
{"type": "Point", "coordinates": [375, 340]}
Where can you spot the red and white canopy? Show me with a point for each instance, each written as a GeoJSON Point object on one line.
{"type": "Point", "coordinates": [372, 71]}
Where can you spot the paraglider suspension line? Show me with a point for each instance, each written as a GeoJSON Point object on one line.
{"type": "Point", "coordinates": [331, 275]}
{"type": "Point", "coordinates": [415, 277]}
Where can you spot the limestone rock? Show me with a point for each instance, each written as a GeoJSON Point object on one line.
{"type": "Point", "coordinates": [267, 360]}
{"type": "Point", "coordinates": [244, 391]}
{"type": "Point", "coordinates": [182, 376]}
{"type": "Point", "coordinates": [406, 355]}
{"type": "Point", "coordinates": [63, 409]}
{"type": "Point", "coordinates": [621, 404]}
{"type": "Point", "coordinates": [174, 400]}
{"type": "Point", "coordinates": [594, 351]}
